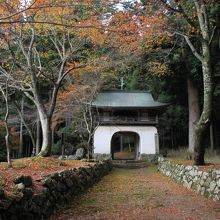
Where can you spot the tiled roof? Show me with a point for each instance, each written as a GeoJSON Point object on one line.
{"type": "Point", "coordinates": [126, 99]}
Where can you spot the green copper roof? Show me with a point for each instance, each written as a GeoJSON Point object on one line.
{"type": "Point", "coordinates": [126, 99]}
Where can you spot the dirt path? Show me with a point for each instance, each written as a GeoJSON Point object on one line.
{"type": "Point", "coordinates": [141, 194]}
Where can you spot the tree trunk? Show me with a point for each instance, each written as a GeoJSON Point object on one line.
{"type": "Point", "coordinates": [23, 122]}
{"type": "Point", "coordinates": [205, 118]}
{"type": "Point", "coordinates": [194, 112]}
{"type": "Point", "coordinates": [21, 130]}
{"type": "Point", "coordinates": [21, 140]}
{"type": "Point", "coordinates": [199, 148]}
{"type": "Point", "coordinates": [7, 133]}
{"type": "Point", "coordinates": [46, 133]}
{"type": "Point", "coordinates": [52, 136]}
{"type": "Point", "coordinates": [211, 134]}
{"type": "Point", "coordinates": [38, 136]}
{"type": "Point", "coordinates": [8, 147]}
{"type": "Point", "coordinates": [5, 95]}
{"type": "Point", "coordinates": [171, 135]}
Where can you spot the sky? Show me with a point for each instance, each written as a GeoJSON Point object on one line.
{"type": "Point", "coordinates": [120, 7]}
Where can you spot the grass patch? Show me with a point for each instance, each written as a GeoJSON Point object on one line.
{"type": "Point", "coordinates": [179, 154]}
{"type": "Point", "coordinates": [212, 157]}
{"type": "Point", "coordinates": [89, 202]}
{"type": "Point", "coordinates": [182, 156]}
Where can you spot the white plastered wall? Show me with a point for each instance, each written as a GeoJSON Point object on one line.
{"type": "Point", "coordinates": [103, 136]}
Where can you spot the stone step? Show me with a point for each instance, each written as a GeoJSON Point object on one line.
{"type": "Point", "coordinates": [128, 165]}
{"type": "Point", "coordinates": [127, 161]}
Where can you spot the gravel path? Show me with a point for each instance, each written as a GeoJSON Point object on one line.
{"type": "Point", "coordinates": [141, 194]}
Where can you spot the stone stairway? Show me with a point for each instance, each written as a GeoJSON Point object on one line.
{"type": "Point", "coordinates": [129, 164]}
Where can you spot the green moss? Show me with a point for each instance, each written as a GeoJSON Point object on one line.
{"type": "Point", "coordinates": [2, 184]}
{"type": "Point", "coordinates": [89, 202]}
{"type": "Point", "coordinates": [206, 194]}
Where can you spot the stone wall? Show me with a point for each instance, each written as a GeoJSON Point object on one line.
{"type": "Point", "coordinates": [152, 158]}
{"type": "Point", "coordinates": [206, 183]}
{"type": "Point", "coordinates": [57, 190]}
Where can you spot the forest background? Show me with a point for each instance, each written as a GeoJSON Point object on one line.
{"type": "Point", "coordinates": [56, 56]}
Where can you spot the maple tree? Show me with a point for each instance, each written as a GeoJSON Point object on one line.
{"type": "Point", "coordinates": [56, 25]}
{"type": "Point", "coordinates": [137, 33]}
{"type": "Point", "coordinates": [35, 50]}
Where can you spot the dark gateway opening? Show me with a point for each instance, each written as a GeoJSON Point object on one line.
{"type": "Point", "coordinates": [125, 146]}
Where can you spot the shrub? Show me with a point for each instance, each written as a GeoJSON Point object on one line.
{"type": "Point", "coordinates": [56, 148]}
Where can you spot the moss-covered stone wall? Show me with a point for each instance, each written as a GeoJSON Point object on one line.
{"type": "Point", "coordinates": [206, 183]}
{"type": "Point", "coordinates": [57, 190]}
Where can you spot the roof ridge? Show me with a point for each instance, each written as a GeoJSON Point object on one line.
{"type": "Point", "coordinates": [124, 91]}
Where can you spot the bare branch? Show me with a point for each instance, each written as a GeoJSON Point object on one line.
{"type": "Point", "coordinates": [29, 96]}
{"type": "Point", "coordinates": [69, 70]}
{"type": "Point", "coordinates": [31, 43]}
{"type": "Point", "coordinates": [193, 49]}
{"type": "Point", "coordinates": [20, 42]}
{"type": "Point", "coordinates": [57, 47]}
{"type": "Point", "coordinates": [212, 35]}
{"type": "Point", "coordinates": [38, 60]}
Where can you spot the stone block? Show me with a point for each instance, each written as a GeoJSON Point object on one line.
{"type": "Point", "coordinates": [212, 186]}
{"type": "Point", "coordinates": [27, 193]}
{"type": "Point", "coordinates": [61, 187]}
{"type": "Point", "coordinates": [50, 183]}
{"type": "Point", "coordinates": [26, 180]}
{"type": "Point", "coordinates": [20, 186]}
